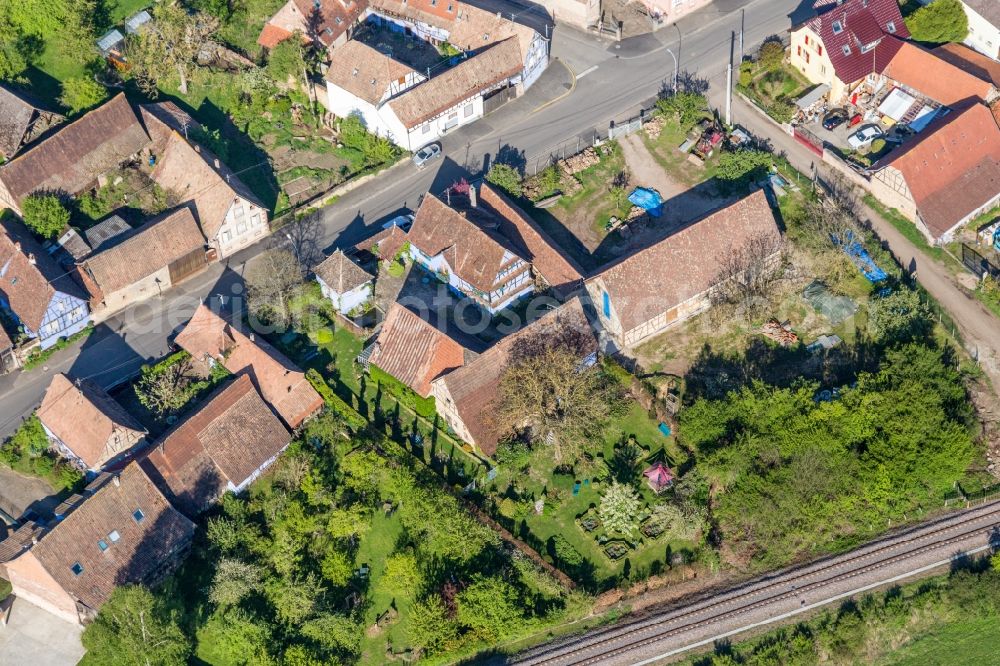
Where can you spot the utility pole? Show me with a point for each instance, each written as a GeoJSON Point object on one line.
{"type": "Point", "coordinates": [729, 94]}
{"type": "Point", "coordinates": [729, 81]}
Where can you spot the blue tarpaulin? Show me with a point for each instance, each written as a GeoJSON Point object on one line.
{"type": "Point", "coordinates": [859, 257]}
{"type": "Point", "coordinates": [647, 199]}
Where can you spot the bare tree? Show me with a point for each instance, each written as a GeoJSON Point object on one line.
{"type": "Point", "coordinates": [548, 393]}
{"type": "Point", "coordinates": [272, 279]}
{"type": "Point", "coordinates": [305, 236]}
{"type": "Point", "coordinates": [747, 273]}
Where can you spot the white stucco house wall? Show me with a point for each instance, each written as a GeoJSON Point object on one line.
{"type": "Point", "coordinates": [347, 286]}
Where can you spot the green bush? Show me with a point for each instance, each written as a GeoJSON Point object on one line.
{"type": "Point", "coordinates": [45, 214]}
{"type": "Point", "coordinates": [505, 177]}
{"type": "Point", "coordinates": [940, 21]}
{"type": "Point", "coordinates": [80, 94]}
{"type": "Point", "coordinates": [334, 402]}
{"type": "Point", "coordinates": [781, 110]}
{"type": "Point", "coordinates": [771, 54]}
{"type": "Point", "coordinates": [422, 406]}
{"type": "Point", "coordinates": [878, 145]}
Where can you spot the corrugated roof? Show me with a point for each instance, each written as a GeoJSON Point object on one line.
{"type": "Point", "coordinates": [141, 252]}
{"type": "Point", "coordinates": [83, 416]}
{"type": "Point", "coordinates": [413, 351]}
{"type": "Point", "coordinates": [103, 231]}
{"type": "Point", "coordinates": [952, 168]}
{"type": "Point", "coordinates": [465, 80]}
{"type": "Point", "coordinates": [473, 387]}
{"type": "Point", "coordinates": [144, 547]}
{"type": "Point", "coordinates": [687, 263]}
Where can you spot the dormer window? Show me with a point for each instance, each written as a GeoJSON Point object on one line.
{"type": "Point", "coordinates": [838, 27]}
{"type": "Point", "coordinates": [846, 49]}
{"type": "Point", "coordinates": [890, 27]}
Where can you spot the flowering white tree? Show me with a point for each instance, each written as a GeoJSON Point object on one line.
{"type": "Point", "coordinates": [619, 509]}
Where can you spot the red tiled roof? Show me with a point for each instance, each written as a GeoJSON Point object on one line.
{"type": "Point", "coordinates": [933, 77]}
{"type": "Point", "coordinates": [193, 175]}
{"type": "Point", "coordinates": [232, 435]}
{"type": "Point", "coordinates": [322, 20]}
{"type": "Point", "coordinates": [862, 22]}
{"type": "Point", "coordinates": [143, 550]}
{"type": "Point", "coordinates": [341, 274]}
{"type": "Point", "coordinates": [473, 387]}
{"type": "Point", "coordinates": [473, 254]}
{"type": "Point", "coordinates": [139, 253]}
{"type": "Point", "coordinates": [413, 351]}
{"type": "Point", "coordinates": [281, 383]}
{"type": "Point", "coordinates": [952, 168]}
{"type": "Point", "coordinates": [29, 276]}
{"type": "Point", "coordinates": [272, 35]}
{"type": "Point", "coordinates": [364, 72]}
{"type": "Point", "coordinates": [560, 271]}
{"type": "Point", "coordinates": [687, 263]}
{"type": "Point", "coordinates": [79, 152]}
{"type": "Point", "coordinates": [83, 417]}
{"type": "Point", "coordinates": [385, 244]}
{"type": "Point", "coordinates": [970, 61]}
{"type": "Point", "coordinates": [453, 86]}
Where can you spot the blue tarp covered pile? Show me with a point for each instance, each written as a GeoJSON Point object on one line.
{"type": "Point", "coordinates": [859, 257]}
{"type": "Point", "coordinates": [647, 199]}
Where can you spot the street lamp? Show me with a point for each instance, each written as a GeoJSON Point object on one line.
{"type": "Point", "coordinates": [676, 69]}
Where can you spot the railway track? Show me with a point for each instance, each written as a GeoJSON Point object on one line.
{"type": "Point", "coordinates": [616, 643]}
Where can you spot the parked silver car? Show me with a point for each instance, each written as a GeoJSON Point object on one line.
{"type": "Point", "coordinates": [865, 136]}
{"type": "Point", "coordinates": [404, 222]}
{"type": "Point", "coordinates": [431, 151]}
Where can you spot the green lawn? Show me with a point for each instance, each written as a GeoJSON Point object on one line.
{"type": "Point", "coordinates": [664, 151]}
{"type": "Point", "coordinates": [563, 507]}
{"type": "Point", "coordinates": [376, 546]}
{"type": "Point", "coordinates": [968, 642]}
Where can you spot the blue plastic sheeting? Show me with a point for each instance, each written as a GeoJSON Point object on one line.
{"type": "Point", "coordinates": [647, 199]}
{"type": "Point", "coordinates": [665, 429]}
{"type": "Point", "coordinates": [859, 257]}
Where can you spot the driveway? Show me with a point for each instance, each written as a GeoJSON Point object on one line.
{"type": "Point", "coordinates": [34, 636]}
{"type": "Point", "coordinates": [979, 329]}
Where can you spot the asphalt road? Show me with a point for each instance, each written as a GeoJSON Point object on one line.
{"type": "Point", "coordinates": [590, 82]}
{"type": "Point", "coordinates": [698, 623]}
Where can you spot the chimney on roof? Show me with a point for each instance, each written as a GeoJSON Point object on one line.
{"type": "Point", "coordinates": [31, 258]}
{"type": "Point", "coordinates": [252, 337]}
{"type": "Point", "coordinates": [217, 164]}
{"type": "Point", "coordinates": [472, 196]}
{"type": "Point", "coordinates": [117, 481]}
{"type": "Point", "coordinates": [17, 245]}
{"type": "Point", "coordinates": [197, 148]}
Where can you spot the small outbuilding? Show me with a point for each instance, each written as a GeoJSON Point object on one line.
{"type": "Point", "coordinates": [347, 285]}
{"type": "Point", "coordinates": [659, 477]}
